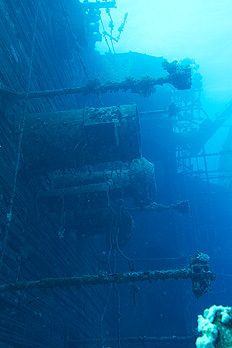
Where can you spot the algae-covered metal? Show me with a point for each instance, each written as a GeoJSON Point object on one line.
{"type": "Point", "coordinates": [72, 139]}
{"type": "Point", "coordinates": [108, 278]}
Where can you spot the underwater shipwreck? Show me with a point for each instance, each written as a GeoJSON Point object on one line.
{"type": "Point", "coordinates": [105, 230]}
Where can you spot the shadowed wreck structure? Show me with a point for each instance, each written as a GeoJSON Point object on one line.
{"type": "Point", "coordinates": [90, 206]}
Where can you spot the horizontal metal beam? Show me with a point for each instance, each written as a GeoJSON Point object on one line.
{"type": "Point", "coordinates": [212, 154]}
{"type": "Point", "coordinates": [197, 271]}
{"type": "Point", "coordinates": [181, 79]}
{"type": "Point", "coordinates": [139, 339]}
{"type": "Point", "coordinates": [99, 4]}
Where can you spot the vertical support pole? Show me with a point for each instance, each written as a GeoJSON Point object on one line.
{"type": "Point", "coordinates": [206, 167]}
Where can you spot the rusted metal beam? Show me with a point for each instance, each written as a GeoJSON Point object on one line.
{"type": "Point", "coordinates": [139, 339]}
{"type": "Point", "coordinates": [181, 79]}
{"type": "Point", "coordinates": [181, 206]}
{"type": "Point", "coordinates": [197, 271]}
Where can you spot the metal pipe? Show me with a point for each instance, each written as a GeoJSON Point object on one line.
{"type": "Point", "coordinates": [139, 339]}
{"type": "Point", "coordinates": [197, 271]}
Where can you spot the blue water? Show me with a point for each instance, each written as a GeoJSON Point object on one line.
{"type": "Point", "coordinates": [175, 30]}
{"type": "Point", "coordinates": [187, 161]}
